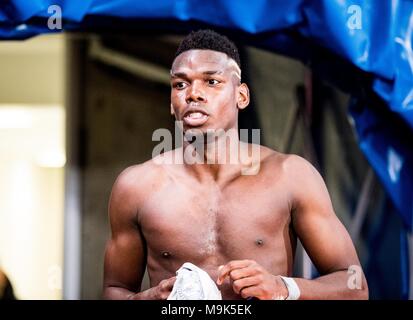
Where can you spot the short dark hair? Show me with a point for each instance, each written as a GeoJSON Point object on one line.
{"type": "Point", "coordinates": [209, 40]}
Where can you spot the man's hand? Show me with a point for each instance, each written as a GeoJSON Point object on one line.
{"type": "Point", "coordinates": [160, 292]}
{"type": "Point", "coordinates": [249, 279]}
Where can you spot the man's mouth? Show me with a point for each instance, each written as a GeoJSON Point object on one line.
{"type": "Point", "coordinates": [195, 118]}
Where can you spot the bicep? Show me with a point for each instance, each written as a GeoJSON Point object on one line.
{"type": "Point", "coordinates": [125, 254]}
{"type": "Point", "coordinates": [322, 234]}
{"type": "Point", "coordinates": [125, 261]}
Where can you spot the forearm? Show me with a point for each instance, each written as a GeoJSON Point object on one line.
{"type": "Point", "coordinates": [118, 293]}
{"type": "Point", "coordinates": [333, 286]}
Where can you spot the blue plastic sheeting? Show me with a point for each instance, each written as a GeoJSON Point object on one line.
{"type": "Point", "coordinates": [387, 143]}
{"type": "Point", "coordinates": [375, 36]}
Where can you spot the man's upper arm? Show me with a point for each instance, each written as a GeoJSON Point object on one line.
{"type": "Point", "coordinates": [125, 251]}
{"type": "Point", "coordinates": [324, 237]}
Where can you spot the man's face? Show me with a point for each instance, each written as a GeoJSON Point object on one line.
{"type": "Point", "coordinates": [206, 91]}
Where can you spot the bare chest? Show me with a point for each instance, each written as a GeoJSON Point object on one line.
{"type": "Point", "coordinates": [209, 226]}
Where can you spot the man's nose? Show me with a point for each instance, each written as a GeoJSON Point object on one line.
{"type": "Point", "coordinates": [195, 93]}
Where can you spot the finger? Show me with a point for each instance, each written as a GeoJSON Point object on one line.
{"type": "Point", "coordinates": [252, 291]}
{"type": "Point", "coordinates": [239, 285]}
{"type": "Point", "coordinates": [170, 283]}
{"type": "Point", "coordinates": [167, 284]}
{"type": "Point", "coordinates": [243, 273]}
{"type": "Point", "coordinates": [232, 265]}
{"type": "Point", "coordinates": [164, 296]}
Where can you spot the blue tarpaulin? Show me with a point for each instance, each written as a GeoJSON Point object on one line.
{"type": "Point", "coordinates": [373, 36]}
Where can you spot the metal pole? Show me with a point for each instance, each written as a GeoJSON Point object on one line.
{"type": "Point", "coordinates": [73, 175]}
{"type": "Point", "coordinates": [362, 205]}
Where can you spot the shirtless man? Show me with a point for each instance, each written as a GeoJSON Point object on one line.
{"type": "Point", "coordinates": [241, 229]}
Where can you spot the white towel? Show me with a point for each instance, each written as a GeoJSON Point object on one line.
{"type": "Point", "coordinates": [193, 283]}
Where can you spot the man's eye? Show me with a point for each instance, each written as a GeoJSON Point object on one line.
{"type": "Point", "coordinates": [213, 82]}
{"type": "Point", "coordinates": [180, 85]}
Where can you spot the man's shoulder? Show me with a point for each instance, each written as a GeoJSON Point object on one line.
{"type": "Point", "coordinates": [296, 174]}
{"type": "Point", "coordinates": [287, 163]}
{"type": "Point", "coordinates": [139, 177]}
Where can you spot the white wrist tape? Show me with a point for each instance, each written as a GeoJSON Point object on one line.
{"type": "Point", "coordinates": [293, 290]}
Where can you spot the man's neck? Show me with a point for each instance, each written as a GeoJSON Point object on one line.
{"type": "Point", "coordinates": [218, 159]}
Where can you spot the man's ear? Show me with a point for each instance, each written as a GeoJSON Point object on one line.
{"type": "Point", "coordinates": [243, 98]}
{"type": "Point", "coordinates": [172, 110]}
